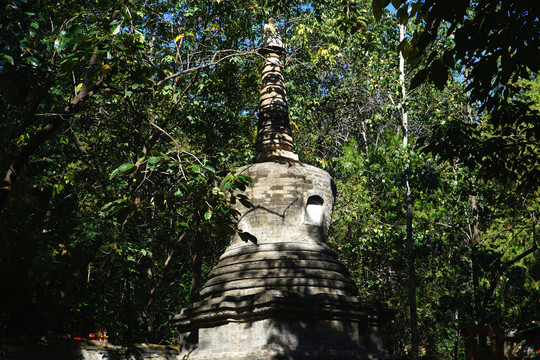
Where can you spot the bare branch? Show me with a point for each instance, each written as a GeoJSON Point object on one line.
{"type": "Point", "coordinates": [212, 62]}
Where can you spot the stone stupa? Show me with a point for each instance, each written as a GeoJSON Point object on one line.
{"type": "Point", "coordinates": [283, 294]}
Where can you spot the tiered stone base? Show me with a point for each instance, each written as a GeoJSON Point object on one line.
{"type": "Point", "coordinates": [282, 292]}
{"type": "Point", "coordinates": [302, 268]}
{"type": "Point", "coordinates": [278, 325]}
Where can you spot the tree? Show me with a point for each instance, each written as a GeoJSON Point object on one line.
{"type": "Point", "coordinates": [498, 42]}
{"type": "Point", "coordinates": [358, 100]}
{"type": "Point", "coordinates": [122, 122]}
{"type": "Point", "coordinates": [497, 142]}
{"type": "Point", "coordinates": [353, 98]}
{"type": "Point", "coordinates": [106, 126]}
{"type": "Point", "coordinates": [53, 67]}
{"type": "Point", "coordinates": [409, 211]}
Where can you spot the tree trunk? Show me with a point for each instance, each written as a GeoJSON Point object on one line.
{"type": "Point", "coordinates": [196, 262]}
{"type": "Point", "coordinates": [150, 278]}
{"type": "Point", "coordinates": [87, 90]}
{"type": "Point", "coordinates": [409, 219]}
{"type": "Point", "coordinates": [475, 240]}
{"type": "Point", "coordinates": [412, 283]}
{"type": "Point", "coordinates": [457, 336]}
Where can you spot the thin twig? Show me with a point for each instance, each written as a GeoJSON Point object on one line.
{"type": "Point", "coordinates": [212, 62]}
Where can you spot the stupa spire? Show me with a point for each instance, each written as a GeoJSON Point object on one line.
{"type": "Point", "coordinates": [274, 139]}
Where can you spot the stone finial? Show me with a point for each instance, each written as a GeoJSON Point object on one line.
{"type": "Point", "coordinates": [271, 27]}
{"type": "Point", "coordinates": [274, 140]}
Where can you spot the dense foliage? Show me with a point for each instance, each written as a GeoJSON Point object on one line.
{"type": "Point", "coordinates": [123, 123]}
{"type": "Point", "coordinates": [495, 44]}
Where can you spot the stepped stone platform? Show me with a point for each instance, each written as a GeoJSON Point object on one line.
{"type": "Point", "coordinates": [277, 325]}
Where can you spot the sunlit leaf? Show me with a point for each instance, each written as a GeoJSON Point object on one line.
{"type": "Point", "coordinates": [152, 160]}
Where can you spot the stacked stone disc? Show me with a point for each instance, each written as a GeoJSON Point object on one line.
{"type": "Point", "coordinates": [296, 268]}
{"type": "Point", "coordinates": [274, 140]}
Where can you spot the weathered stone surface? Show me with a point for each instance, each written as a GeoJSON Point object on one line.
{"type": "Point", "coordinates": [282, 304]}
{"type": "Point", "coordinates": [274, 325]}
{"type": "Point", "coordinates": [271, 135]}
{"type": "Point", "coordinates": [270, 95]}
{"type": "Point", "coordinates": [280, 192]}
{"type": "Point", "coordinates": [274, 103]}
{"type": "Point", "coordinates": [273, 109]}
{"type": "Point", "coordinates": [273, 91]}
{"type": "Point", "coordinates": [283, 295]}
{"type": "Point", "coordinates": [271, 146]}
{"type": "Point", "coordinates": [310, 269]}
{"type": "Point", "coordinates": [278, 125]}
{"type": "Point", "coordinates": [282, 234]}
{"type": "Point", "coordinates": [276, 154]}
{"type": "Point", "coordinates": [272, 43]}
{"type": "Point", "coordinates": [278, 291]}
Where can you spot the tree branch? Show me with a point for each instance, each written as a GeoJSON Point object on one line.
{"type": "Point", "coordinates": [212, 62]}
{"type": "Point", "coordinates": [87, 90]}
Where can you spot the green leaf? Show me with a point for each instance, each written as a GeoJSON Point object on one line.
{"type": "Point", "coordinates": [127, 167]}
{"type": "Point", "coordinates": [225, 184]}
{"type": "Point", "coordinates": [396, 3]}
{"type": "Point", "coordinates": [209, 168]}
{"type": "Point", "coordinates": [113, 207]}
{"type": "Point", "coordinates": [244, 200]}
{"type": "Point", "coordinates": [123, 169]}
{"type": "Point", "coordinates": [405, 48]}
{"type": "Point", "coordinates": [33, 61]}
{"type": "Point", "coordinates": [152, 160]}
{"type": "Point", "coordinates": [244, 179]}
{"type": "Point", "coordinates": [208, 215]}
{"type": "Point", "coordinates": [178, 193]}
{"type": "Point", "coordinates": [418, 79]}
{"type": "Point", "coordinates": [403, 15]}
{"type": "Point", "coordinates": [113, 174]}
{"type": "Point", "coordinates": [195, 168]}
{"type": "Point", "coordinates": [140, 157]}
{"type": "Point", "coordinates": [377, 9]}
{"type": "Point", "coordinates": [438, 74]}
{"type": "Point", "coordinates": [117, 29]}
{"type": "Point", "coordinates": [9, 58]}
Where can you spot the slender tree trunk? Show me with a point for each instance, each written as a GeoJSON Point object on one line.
{"type": "Point", "coordinates": [196, 262]}
{"type": "Point", "coordinates": [364, 137]}
{"type": "Point", "coordinates": [475, 240]}
{"type": "Point", "coordinates": [410, 241]}
{"type": "Point", "coordinates": [457, 335]}
{"type": "Point", "coordinates": [159, 278]}
{"type": "Point", "coordinates": [412, 284]}
{"type": "Point", "coordinates": [150, 278]}
{"type": "Point", "coordinates": [404, 114]}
